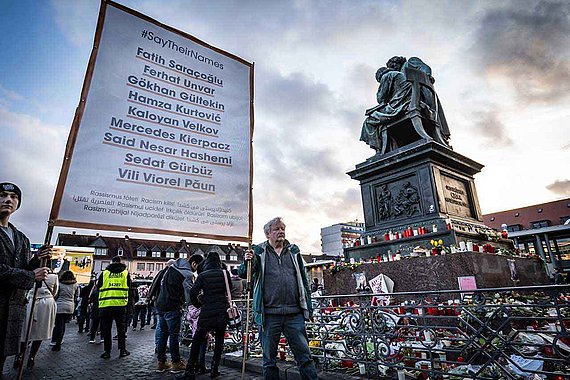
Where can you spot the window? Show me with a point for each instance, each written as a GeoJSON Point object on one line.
{"type": "Point", "coordinates": [100, 251]}
{"type": "Point", "coordinates": [183, 255]}
{"type": "Point", "coordinates": [492, 219]}
{"type": "Point", "coordinates": [150, 267]}
{"type": "Point", "coordinates": [140, 267]}
{"type": "Point", "coordinates": [141, 253]}
{"type": "Point", "coordinates": [155, 253]}
{"type": "Point", "coordinates": [169, 255]}
{"type": "Point", "coordinates": [514, 228]}
{"type": "Point", "coordinates": [120, 251]}
{"type": "Point", "coordinates": [233, 257]}
{"type": "Point", "coordinates": [517, 214]}
{"type": "Point", "coordinates": [540, 224]}
{"type": "Point", "coordinates": [159, 266]}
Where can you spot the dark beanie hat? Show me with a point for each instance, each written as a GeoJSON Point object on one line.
{"type": "Point", "coordinates": [9, 186]}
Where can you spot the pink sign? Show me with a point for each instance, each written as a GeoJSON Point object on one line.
{"type": "Point", "coordinates": [467, 283]}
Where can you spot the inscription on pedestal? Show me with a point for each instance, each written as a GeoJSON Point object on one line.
{"type": "Point", "coordinates": [456, 197]}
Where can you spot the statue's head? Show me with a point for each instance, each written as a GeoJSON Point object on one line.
{"type": "Point", "coordinates": [396, 62]}
{"type": "Point", "coordinates": [381, 72]}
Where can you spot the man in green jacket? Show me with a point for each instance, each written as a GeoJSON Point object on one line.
{"type": "Point", "coordinates": [281, 299]}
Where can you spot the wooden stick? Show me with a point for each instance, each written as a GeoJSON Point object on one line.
{"type": "Point", "coordinates": [246, 340]}
{"type": "Point", "coordinates": [38, 285]}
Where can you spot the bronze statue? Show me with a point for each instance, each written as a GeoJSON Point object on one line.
{"type": "Point", "coordinates": [405, 97]}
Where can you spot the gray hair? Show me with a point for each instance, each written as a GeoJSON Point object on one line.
{"type": "Point", "coordinates": [270, 224]}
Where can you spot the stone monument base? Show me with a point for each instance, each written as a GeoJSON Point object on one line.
{"type": "Point", "coordinates": [421, 192]}
{"type": "Point", "coordinates": [442, 273]}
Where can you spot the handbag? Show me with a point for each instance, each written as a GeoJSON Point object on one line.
{"type": "Point", "coordinates": [234, 313]}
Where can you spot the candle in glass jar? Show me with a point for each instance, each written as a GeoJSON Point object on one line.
{"type": "Point", "coordinates": [401, 374]}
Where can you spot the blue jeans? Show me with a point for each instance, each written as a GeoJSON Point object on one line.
{"type": "Point", "coordinates": [168, 328]}
{"type": "Point", "coordinates": [293, 327]}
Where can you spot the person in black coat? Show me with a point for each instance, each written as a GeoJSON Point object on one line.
{"type": "Point", "coordinates": [83, 315]}
{"type": "Point", "coordinates": [214, 311]}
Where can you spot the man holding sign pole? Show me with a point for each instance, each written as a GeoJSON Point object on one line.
{"type": "Point", "coordinates": [17, 275]}
{"type": "Point", "coordinates": [281, 299]}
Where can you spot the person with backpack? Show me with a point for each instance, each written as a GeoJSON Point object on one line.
{"type": "Point", "coordinates": [169, 302]}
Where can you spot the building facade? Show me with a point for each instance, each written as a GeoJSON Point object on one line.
{"type": "Point", "coordinates": [549, 214]}
{"type": "Point", "coordinates": [145, 258]}
{"type": "Point", "coordinates": [339, 236]}
{"type": "Point", "coordinates": [543, 229]}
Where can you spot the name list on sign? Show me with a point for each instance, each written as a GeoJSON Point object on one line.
{"type": "Point", "coordinates": [171, 130]}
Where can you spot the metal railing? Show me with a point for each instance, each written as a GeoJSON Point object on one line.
{"type": "Point", "coordinates": [502, 333]}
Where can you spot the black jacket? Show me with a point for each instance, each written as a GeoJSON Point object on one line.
{"type": "Point", "coordinates": [214, 304]}
{"type": "Point", "coordinates": [171, 293]}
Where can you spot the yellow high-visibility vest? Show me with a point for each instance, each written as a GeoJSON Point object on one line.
{"type": "Point", "coordinates": [115, 291]}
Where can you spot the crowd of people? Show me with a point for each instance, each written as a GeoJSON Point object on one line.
{"type": "Point", "coordinates": [198, 288]}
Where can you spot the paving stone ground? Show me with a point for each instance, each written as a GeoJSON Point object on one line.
{"type": "Point", "coordinates": [79, 360]}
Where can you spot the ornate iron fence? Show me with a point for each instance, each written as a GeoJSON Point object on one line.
{"type": "Point", "coordinates": [502, 333]}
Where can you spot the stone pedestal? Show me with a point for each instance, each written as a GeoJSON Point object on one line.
{"type": "Point", "coordinates": [420, 192]}
{"type": "Point", "coordinates": [442, 273]}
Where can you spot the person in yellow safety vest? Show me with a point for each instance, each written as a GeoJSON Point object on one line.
{"type": "Point", "coordinates": [113, 285]}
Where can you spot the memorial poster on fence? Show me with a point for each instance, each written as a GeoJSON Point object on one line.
{"type": "Point", "coordinates": [162, 142]}
{"type": "Point", "coordinates": [382, 284]}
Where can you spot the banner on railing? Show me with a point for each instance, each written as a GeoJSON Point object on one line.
{"type": "Point", "coordinates": [161, 141]}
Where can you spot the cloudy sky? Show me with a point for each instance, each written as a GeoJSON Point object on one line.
{"type": "Point", "coordinates": [502, 72]}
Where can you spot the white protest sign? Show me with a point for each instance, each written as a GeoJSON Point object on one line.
{"type": "Point", "coordinates": [162, 141]}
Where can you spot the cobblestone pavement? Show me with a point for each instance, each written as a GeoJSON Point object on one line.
{"type": "Point", "coordinates": [79, 360]}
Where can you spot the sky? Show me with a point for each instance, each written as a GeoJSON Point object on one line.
{"type": "Point", "coordinates": [502, 71]}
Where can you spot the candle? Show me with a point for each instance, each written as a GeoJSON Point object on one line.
{"type": "Point", "coordinates": [462, 246]}
{"type": "Point", "coordinates": [362, 368]}
{"type": "Point", "coordinates": [415, 232]}
{"type": "Point", "coordinates": [434, 228]}
{"type": "Point", "coordinates": [401, 374]}
{"type": "Point", "coordinates": [470, 246]}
